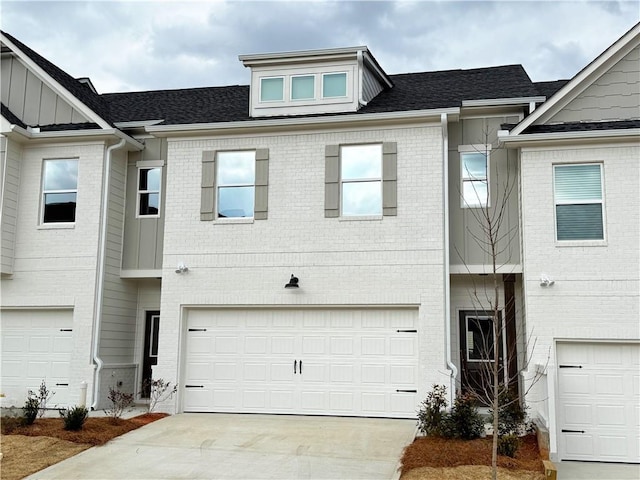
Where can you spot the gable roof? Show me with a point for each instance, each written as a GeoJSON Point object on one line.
{"type": "Point", "coordinates": [10, 117]}
{"type": "Point", "coordinates": [581, 80]}
{"type": "Point", "coordinates": [411, 91]}
{"type": "Point", "coordinates": [79, 90]}
{"type": "Point", "coordinates": [548, 89]}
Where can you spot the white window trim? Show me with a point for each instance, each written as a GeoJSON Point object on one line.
{"type": "Point", "coordinates": [284, 90]}
{"type": "Point", "coordinates": [217, 190]}
{"type": "Point", "coordinates": [50, 225]}
{"type": "Point", "coordinates": [147, 165]}
{"type": "Point", "coordinates": [586, 242]}
{"type": "Point", "coordinates": [346, 89]}
{"type": "Point", "coordinates": [466, 325]}
{"type": "Point", "coordinates": [475, 148]}
{"type": "Point", "coordinates": [366, 216]}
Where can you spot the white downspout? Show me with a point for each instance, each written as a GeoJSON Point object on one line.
{"type": "Point", "coordinates": [447, 273]}
{"type": "Point", "coordinates": [102, 252]}
{"type": "Point", "coordinates": [361, 100]}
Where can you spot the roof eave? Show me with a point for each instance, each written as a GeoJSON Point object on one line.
{"type": "Point", "coordinates": [306, 122]}
{"type": "Point", "coordinates": [72, 135]}
{"type": "Point", "coordinates": [531, 139]}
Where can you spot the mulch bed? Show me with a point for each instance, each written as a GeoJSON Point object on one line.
{"type": "Point", "coordinates": [95, 431]}
{"type": "Point", "coordinates": [444, 452]}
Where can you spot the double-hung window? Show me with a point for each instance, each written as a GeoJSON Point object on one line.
{"type": "Point", "coordinates": [59, 191]}
{"type": "Point", "coordinates": [236, 184]}
{"type": "Point", "coordinates": [149, 184]}
{"type": "Point", "coordinates": [578, 202]}
{"type": "Point", "coordinates": [361, 179]}
{"type": "Point", "coordinates": [474, 167]}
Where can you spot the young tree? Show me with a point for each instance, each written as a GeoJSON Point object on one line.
{"type": "Point", "coordinates": [495, 237]}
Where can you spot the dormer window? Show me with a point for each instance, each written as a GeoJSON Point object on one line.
{"type": "Point", "coordinates": [272, 89]}
{"type": "Point", "coordinates": [334, 85]}
{"type": "Point", "coordinates": [303, 87]}
{"type": "Point", "coordinates": [313, 82]}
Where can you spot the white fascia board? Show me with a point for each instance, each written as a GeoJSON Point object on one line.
{"type": "Point", "coordinates": [76, 134]}
{"type": "Point", "coordinates": [304, 122]}
{"type": "Point", "coordinates": [502, 101]}
{"type": "Point", "coordinates": [577, 84]}
{"type": "Point", "coordinates": [55, 86]}
{"type": "Point", "coordinates": [373, 65]}
{"type": "Point", "coordinates": [299, 55]}
{"type": "Point", "coordinates": [137, 124]}
{"type": "Point", "coordinates": [594, 135]}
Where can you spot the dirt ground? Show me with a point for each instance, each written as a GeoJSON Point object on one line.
{"type": "Point", "coordinates": [429, 458]}
{"type": "Point", "coordinates": [29, 449]}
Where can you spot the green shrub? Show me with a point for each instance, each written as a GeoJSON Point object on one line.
{"type": "Point", "coordinates": [74, 418]}
{"type": "Point", "coordinates": [432, 411]}
{"type": "Point", "coordinates": [464, 420]}
{"type": "Point", "coordinates": [508, 445]}
{"type": "Point", "coordinates": [30, 409]}
{"type": "Point", "coordinates": [511, 414]}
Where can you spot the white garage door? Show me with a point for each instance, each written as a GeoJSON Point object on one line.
{"type": "Point", "coordinates": [36, 346]}
{"type": "Point", "coordinates": [314, 362]}
{"type": "Point", "coordinates": [599, 402]}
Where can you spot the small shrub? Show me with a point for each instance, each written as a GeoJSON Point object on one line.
{"type": "Point", "coordinates": [43, 396]}
{"type": "Point", "coordinates": [511, 414]}
{"type": "Point", "coordinates": [120, 401]}
{"type": "Point", "coordinates": [464, 421]}
{"type": "Point", "coordinates": [432, 411]}
{"type": "Point", "coordinates": [30, 409]}
{"type": "Point", "coordinates": [159, 391]}
{"type": "Point", "coordinates": [74, 418]}
{"type": "Point", "coordinates": [508, 445]}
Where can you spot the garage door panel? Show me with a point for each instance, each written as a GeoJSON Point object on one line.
{"type": "Point", "coordinates": [350, 360]}
{"type": "Point", "coordinates": [598, 402]}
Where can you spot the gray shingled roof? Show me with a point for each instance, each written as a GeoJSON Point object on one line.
{"type": "Point", "coordinates": [412, 91]}
{"type": "Point", "coordinates": [11, 118]}
{"type": "Point", "coordinates": [547, 89]}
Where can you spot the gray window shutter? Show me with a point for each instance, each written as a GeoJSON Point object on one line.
{"type": "Point", "coordinates": [389, 177]}
{"type": "Point", "coordinates": [262, 184]}
{"type": "Point", "coordinates": [332, 181]}
{"type": "Point", "coordinates": [207, 186]}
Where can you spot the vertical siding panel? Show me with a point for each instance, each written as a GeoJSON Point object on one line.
{"type": "Point", "coordinates": [63, 111]}
{"type": "Point", "coordinates": [17, 88]}
{"type": "Point", "coordinates": [5, 76]}
{"type": "Point", "coordinates": [32, 100]}
{"type": "Point", "coordinates": [47, 114]}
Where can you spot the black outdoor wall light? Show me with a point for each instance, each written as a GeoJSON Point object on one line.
{"type": "Point", "coordinates": [293, 282]}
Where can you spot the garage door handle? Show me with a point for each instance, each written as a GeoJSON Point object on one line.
{"type": "Point", "coordinates": [62, 384]}
{"type": "Point", "coordinates": [194, 386]}
{"type": "Point", "coordinates": [197, 329]}
{"type": "Point", "coordinates": [295, 367]}
{"type": "Point", "coordinates": [407, 331]}
{"type": "Point", "coordinates": [570, 366]}
{"type": "Point", "coordinates": [406, 391]}
{"type": "Point", "coordinates": [300, 367]}
{"type": "Point", "coordinates": [572, 431]}
{"type": "Point", "coordinates": [66, 330]}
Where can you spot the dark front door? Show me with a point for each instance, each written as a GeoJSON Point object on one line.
{"type": "Point", "coordinates": [150, 355]}
{"type": "Point", "coordinates": [477, 348]}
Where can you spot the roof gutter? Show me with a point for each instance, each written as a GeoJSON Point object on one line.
{"type": "Point", "coordinates": [102, 253]}
{"type": "Point", "coordinates": [523, 139]}
{"type": "Point", "coordinates": [445, 249]}
{"type": "Point", "coordinates": [492, 102]}
{"type": "Point", "coordinates": [75, 134]}
{"type": "Point", "coordinates": [195, 128]}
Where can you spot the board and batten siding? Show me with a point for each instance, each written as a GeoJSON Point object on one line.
{"type": "Point", "coordinates": [32, 100]}
{"type": "Point", "coordinates": [613, 96]}
{"type": "Point", "coordinates": [144, 237]}
{"type": "Point", "coordinates": [370, 85]}
{"type": "Point", "coordinates": [10, 155]}
{"type": "Point", "coordinates": [503, 171]}
{"type": "Point", "coordinates": [120, 297]}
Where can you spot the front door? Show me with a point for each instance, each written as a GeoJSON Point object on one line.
{"type": "Point", "coordinates": [477, 346]}
{"type": "Point", "coordinates": [150, 355]}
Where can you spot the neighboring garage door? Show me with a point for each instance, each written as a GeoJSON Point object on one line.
{"type": "Point", "coordinates": [316, 362]}
{"type": "Point", "coordinates": [599, 402]}
{"type": "Point", "coordinates": [36, 346]}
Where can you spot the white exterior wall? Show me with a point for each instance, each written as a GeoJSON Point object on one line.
{"type": "Point", "coordinates": [10, 156]}
{"type": "Point", "coordinates": [596, 295]}
{"type": "Point", "coordinates": [55, 267]}
{"type": "Point", "coordinates": [392, 261]}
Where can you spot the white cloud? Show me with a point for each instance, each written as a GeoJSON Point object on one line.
{"type": "Point", "coordinates": [140, 45]}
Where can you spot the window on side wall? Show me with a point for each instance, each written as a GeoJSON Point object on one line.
{"type": "Point", "coordinates": [272, 89]}
{"type": "Point", "coordinates": [334, 85]}
{"type": "Point", "coordinates": [579, 205]}
{"type": "Point", "coordinates": [149, 185]}
{"type": "Point", "coordinates": [59, 191]}
{"type": "Point", "coordinates": [236, 173]}
{"type": "Point", "coordinates": [474, 176]}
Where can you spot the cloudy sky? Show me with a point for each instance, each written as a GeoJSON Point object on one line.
{"type": "Point", "coordinates": [146, 45]}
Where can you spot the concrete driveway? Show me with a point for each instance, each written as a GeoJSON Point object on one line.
{"type": "Point", "coordinates": [218, 446]}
